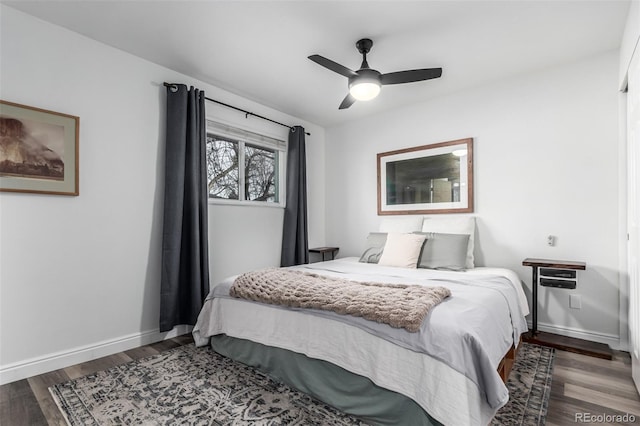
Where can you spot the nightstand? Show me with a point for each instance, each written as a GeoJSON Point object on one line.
{"type": "Point", "coordinates": [324, 250]}
{"type": "Point", "coordinates": [550, 273]}
{"type": "Point", "coordinates": [560, 274]}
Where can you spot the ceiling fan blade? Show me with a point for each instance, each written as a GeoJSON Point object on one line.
{"type": "Point", "coordinates": [333, 66]}
{"type": "Point", "coordinates": [347, 101]}
{"type": "Point", "coordinates": [410, 76]}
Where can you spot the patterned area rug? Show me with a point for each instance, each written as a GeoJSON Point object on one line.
{"type": "Point", "coordinates": [529, 387]}
{"type": "Point", "coordinates": [196, 386]}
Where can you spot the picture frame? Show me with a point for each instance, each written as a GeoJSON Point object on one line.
{"type": "Point", "coordinates": [38, 150]}
{"type": "Point", "coordinates": [426, 179]}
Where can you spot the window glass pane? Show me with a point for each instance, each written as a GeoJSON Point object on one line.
{"type": "Point", "coordinates": [260, 174]}
{"type": "Point", "coordinates": [222, 168]}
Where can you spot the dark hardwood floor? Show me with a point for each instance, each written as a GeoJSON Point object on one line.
{"type": "Point", "coordinates": [581, 384]}
{"type": "Point", "coordinates": [28, 402]}
{"type": "Point", "coordinates": [591, 385]}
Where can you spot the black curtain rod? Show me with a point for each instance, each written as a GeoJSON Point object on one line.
{"type": "Point", "coordinates": [247, 113]}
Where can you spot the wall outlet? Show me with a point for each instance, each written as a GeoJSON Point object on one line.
{"type": "Point", "coordinates": [551, 240]}
{"type": "Point", "coordinates": [575, 302]}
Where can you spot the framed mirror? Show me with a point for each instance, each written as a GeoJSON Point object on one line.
{"type": "Point", "coordinates": [427, 179]}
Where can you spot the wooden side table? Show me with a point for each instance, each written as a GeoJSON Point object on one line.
{"type": "Point", "coordinates": [324, 250]}
{"type": "Point", "coordinates": [558, 274]}
{"type": "Point", "coordinates": [556, 271]}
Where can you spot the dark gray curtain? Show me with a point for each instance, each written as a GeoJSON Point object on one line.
{"type": "Point", "coordinates": [185, 253]}
{"type": "Point", "coordinates": [295, 244]}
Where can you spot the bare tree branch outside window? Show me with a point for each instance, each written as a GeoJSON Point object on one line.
{"type": "Point", "coordinates": [260, 174]}
{"type": "Point", "coordinates": [222, 168]}
{"type": "Point", "coordinates": [260, 170]}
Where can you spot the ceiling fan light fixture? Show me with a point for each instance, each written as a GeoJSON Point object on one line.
{"type": "Point", "coordinates": [364, 90]}
{"type": "Point", "coordinates": [365, 83]}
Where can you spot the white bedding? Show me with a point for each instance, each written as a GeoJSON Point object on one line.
{"type": "Point", "coordinates": [446, 394]}
{"type": "Point", "coordinates": [511, 276]}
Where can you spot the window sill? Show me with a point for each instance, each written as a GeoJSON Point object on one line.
{"type": "Point", "coordinates": [220, 202]}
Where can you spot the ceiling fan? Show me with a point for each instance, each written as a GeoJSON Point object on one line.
{"type": "Point", "coordinates": [364, 84]}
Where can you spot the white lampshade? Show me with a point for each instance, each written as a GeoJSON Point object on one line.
{"type": "Point", "coordinates": [365, 90]}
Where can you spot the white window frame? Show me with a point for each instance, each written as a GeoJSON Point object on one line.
{"type": "Point", "coordinates": [242, 137]}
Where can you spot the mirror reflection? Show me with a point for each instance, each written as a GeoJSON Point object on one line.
{"type": "Point", "coordinates": [433, 179]}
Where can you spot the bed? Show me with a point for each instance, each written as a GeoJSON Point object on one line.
{"type": "Point", "coordinates": [447, 367]}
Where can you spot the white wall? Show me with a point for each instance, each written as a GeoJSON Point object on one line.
{"type": "Point", "coordinates": [79, 276]}
{"type": "Point", "coordinates": [630, 40]}
{"type": "Point", "coordinates": [546, 163]}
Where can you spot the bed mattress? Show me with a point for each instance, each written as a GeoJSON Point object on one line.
{"type": "Point", "coordinates": [448, 368]}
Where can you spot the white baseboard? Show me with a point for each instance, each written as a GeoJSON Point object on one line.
{"type": "Point", "coordinates": [34, 366]}
{"type": "Point", "coordinates": [612, 340]}
{"type": "Point", "coordinates": [39, 365]}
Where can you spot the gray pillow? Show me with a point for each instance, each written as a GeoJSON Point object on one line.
{"type": "Point", "coordinates": [444, 251]}
{"type": "Point", "coordinates": [374, 247]}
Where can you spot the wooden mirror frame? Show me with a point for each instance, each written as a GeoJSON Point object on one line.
{"type": "Point", "coordinates": [464, 205]}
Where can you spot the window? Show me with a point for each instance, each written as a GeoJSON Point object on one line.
{"type": "Point", "coordinates": [244, 166]}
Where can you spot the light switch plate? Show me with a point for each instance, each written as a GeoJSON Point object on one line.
{"type": "Point", "coordinates": [575, 302]}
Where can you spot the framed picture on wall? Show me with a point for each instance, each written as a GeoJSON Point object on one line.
{"type": "Point", "coordinates": [427, 179]}
{"type": "Point", "coordinates": [38, 150]}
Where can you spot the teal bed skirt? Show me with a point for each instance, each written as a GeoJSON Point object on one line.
{"type": "Point", "coordinates": [349, 392]}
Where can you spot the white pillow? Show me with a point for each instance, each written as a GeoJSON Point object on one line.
{"type": "Point", "coordinates": [454, 225]}
{"type": "Point", "coordinates": [402, 250]}
{"type": "Point", "coordinates": [402, 224]}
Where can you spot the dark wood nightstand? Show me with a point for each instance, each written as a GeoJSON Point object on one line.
{"type": "Point", "coordinates": [324, 250]}
{"type": "Point", "coordinates": [555, 269]}
{"type": "Point", "coordinates": [558, 274]}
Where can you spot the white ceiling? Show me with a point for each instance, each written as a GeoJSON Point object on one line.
{"type": "Point", "coordinates": [259, 49]}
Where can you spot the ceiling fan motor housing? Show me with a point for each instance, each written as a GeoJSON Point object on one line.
{"type": "Point", "coordinates": [365, 75]}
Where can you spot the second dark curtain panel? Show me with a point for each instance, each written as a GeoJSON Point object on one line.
{"type": "Point", "coordinates": [295, 244]}
{"type": "Point", "coordinates": [185, 253]}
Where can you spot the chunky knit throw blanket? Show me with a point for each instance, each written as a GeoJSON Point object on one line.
{"type": "Point", "coordinates": [399, 305]}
